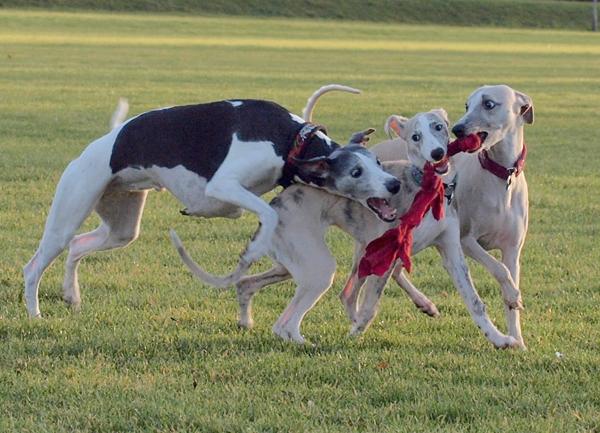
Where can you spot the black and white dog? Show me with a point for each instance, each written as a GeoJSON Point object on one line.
{"type": "Point", "coordinates": [216, 158]}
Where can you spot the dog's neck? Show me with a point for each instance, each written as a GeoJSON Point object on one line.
{"type": "Point", "coordinates": [508, 150]}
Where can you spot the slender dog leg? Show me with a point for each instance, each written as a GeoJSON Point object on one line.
{"type": "Point", "coordinates": [248, 286]}
{"type": "Point", "coordinates": [76, 195]}
{"type": "Point", "coordinates": [419, 299]}
{"type": "Point", "coordinates": [352, 289]}
{"type": "Point", "coordinates": [314, 277]}
{"type": "Point", "coordinates": [121, 213]}
{"type": "Point", "coordinates": [231, 191]}
{"type": "Point", "coordinates": [510, 292]}
{"type": "Point", "coordinates": [366, 312]}
{"type": "Point", "coordinates": [455, 264]}
{"type": "Point", "coordinates": [510, 257]}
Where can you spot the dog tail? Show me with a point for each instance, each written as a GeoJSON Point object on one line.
{"type": "Point", "coordinates": [307, 112]}
{"type": "Point", "coordinates": [213, 280]}
{"type": "Point", "coordinates": [120, 114]}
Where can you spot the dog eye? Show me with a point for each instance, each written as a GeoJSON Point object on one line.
{"type": "Point", "coordinates": [378, 161]}
{"type": "Point", "coordinates": [439, 127]}
{"type": "Point", "coordinates": [489, 104]}
{"type": "Point", "coordinates": [416, 137]}
{"type": "Point", "coordinates": [356, 172]}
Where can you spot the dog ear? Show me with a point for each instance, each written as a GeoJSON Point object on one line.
{"type": "Point", "coordinates": [313, 170]}
{"type": "Point", "coordinates": [525, 107]}
{"type": "Point", "coordinates": [361, 137]}
{"type": "Point", "coordinates": [396, 124]}
{"type": "Point", "coordinates": [442, 113]}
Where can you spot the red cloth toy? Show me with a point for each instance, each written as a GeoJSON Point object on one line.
{"type": "Point", "coordinates": [395, 243]}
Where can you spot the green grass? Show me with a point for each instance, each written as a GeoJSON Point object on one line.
{"type": "Point", "coordinates": [154, 350]}
{"type": "Point", "coordinates": [565, 14]}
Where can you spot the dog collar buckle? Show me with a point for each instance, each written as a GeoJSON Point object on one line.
{"type": "Point", "coordinates": [511, 174]}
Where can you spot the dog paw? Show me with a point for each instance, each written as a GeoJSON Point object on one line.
{"type": "Point", "coordinates": [514, 302]}
{"type": "Point", "coordinates": [246, 323]}
{"type": "Point", "coordinates": [430, 309]}
{"type": "Point", "coordinates": [289, 335]}
{"type": "Point", "coordinates": [357, 329]}
{"type": "Point", "coordinates": [508, 342]}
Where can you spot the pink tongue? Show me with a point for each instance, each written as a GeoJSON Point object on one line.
{"type": "Point", "coordinates": [387, 212]}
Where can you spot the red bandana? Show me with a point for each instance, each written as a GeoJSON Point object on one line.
{"type": "Point", "coordinates": [395, 243]}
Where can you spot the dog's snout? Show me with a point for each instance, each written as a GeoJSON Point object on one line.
{"type": "Point", "coordinates": [459, 130]}
{"type": "Point", "coordinates": [437, 153]}
{"type": "Point", "coordinates": [393, 186]}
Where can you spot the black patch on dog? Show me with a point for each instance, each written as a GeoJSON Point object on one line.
{"type": "Point", "coordinates": [298, 196]}
{"type": "Point", "coordinates": [198, 137]}
{"type": "Point", "coordinates": [277, 203]}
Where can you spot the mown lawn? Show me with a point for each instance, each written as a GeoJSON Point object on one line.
{"type": "Point", "coordinates": [154, 350]}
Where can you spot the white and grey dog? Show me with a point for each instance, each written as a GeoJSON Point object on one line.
{"type": "Point", "coordinates": [300, 251]}
{"type": "Point", "coordinates": [491, 194]}
{"type": "Point", "coordinates": [216, 158]}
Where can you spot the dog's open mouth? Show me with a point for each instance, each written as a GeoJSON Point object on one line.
{"type": "Point", "coordinates": [482, 136]}
{"type": "Point", "coordinates": [441, 167]}
{"type": "Point", "coordinates": [382, 209]}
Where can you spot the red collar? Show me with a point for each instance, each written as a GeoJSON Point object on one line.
{"type": "Point", "coordinates": [499, 170]}
{"type": "Point", "coordinates": [306, 132]}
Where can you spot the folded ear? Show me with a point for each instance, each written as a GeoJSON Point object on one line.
{"type": "Point", "coordinates": [396, 124]}
{"type": "Point", "coordinates": [313, 170]}
{"type": "Point", "coordinates": [361, 137]}
{"type": "Point", "coordinates": [442, 113]}
{"type": "Point", "coordinates": [525, 107]}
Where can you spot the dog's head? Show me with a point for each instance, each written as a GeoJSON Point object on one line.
{"type": "Point", "coordinates": [493, 112]}
{"type": "Point", "coordinates": [426, 135]}
{"type": "Point", "coordinates": [352, 171]}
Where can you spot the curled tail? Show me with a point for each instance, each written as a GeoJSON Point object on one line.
{"type": "Point", "coordinates": [307, 112]}
{"type": "Point", "coordinates": [221, 282]}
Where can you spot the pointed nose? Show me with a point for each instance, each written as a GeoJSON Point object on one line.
{"type": "Point", "coordinates": [437, 154]}
{"type": "Point", "coordinates": [393, 186]}
{"type": "Point", "coordinates": [459, 130]}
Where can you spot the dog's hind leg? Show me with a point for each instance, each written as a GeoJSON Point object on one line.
{"type": "Point", "coordinates": [421, 301]}
{"type": "Point", "coordinates": [510, 258]}
{"type": "Point", "coordinates": [121, 213]}
{"type": "Point", "coordinates": [77, 192]}
{"type": "Point", "coordinates": [248, 286]}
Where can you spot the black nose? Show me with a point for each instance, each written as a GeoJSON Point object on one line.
{"type": "Point", "coordinates": [459, 130]}
{"type": "Point", "coordinates": [437, 153]}
{"type": "Point", "coordinates": [393, 186]}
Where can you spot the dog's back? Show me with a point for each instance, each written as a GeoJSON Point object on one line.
{"type": "Point", "coordinates": [198, 137]}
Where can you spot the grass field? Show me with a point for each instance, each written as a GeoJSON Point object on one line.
{"type": "Point", "coordinates": [154, 350]}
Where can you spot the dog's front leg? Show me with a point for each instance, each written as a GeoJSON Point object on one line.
{"type": "Point", "coordinates": [352, 289]}
{"type": "Point", "coordinates": [510, 258]}
{"type": "Point", "coordinates": [367, 310]}
{"type": "Point", "coordinates": [231, 191]}
{"type": "Point", "coordinates": [510, 292]}
{"type": "Point", "coordinates": [456, 266]}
